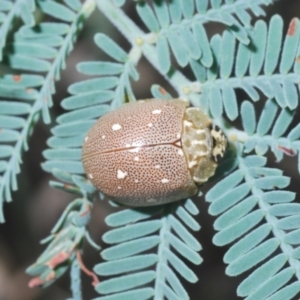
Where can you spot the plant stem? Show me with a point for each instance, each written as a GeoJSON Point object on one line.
{"type": "Point", "coordinates": [133, 33]}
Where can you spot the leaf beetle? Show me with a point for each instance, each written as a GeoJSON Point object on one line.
{"type": "Point", "coordinates": [152, 152]}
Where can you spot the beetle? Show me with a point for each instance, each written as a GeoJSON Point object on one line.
{"type": "Point", "coordinates": [152, 152]}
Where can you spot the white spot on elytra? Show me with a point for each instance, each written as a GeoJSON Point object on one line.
{"type": "Point", "coordinates": [127, 145]}
{"type": "Point", "coordinates": [150, 125]}
{"type": "Point", "coordinates": [137, 149]}
{"type": "Point", "coordinates": [137, 143]}
{"type": "Point", "coordinates": [136, 158]}
{"type": "Point", "coordinates": [178, 135]}
{"type": "Point", "coordinates": [91, 176]}
{"type": "Point", "coordinates": [116, 127]}
{"type": "Point", "coordinates": [103, 136]}
{"type": "Point", "coordinates": [136, 180]}
{"type": "Point", "coordinates": [151, 200]}
{"type": "Point", "coordinates": [180, 152]}
{"type": "Point", "coordinates": [156, 111]}
{"type": "Point", "coordinates": [157, 167]}
{"type": "Point", "coordinates": [86, 138]}
{"type": "Point", "coordinates": [119, 187]}
{"type": "Point", "coordinates": [121, 174]}
{"type": "Point", "coordinates": [165, 180]}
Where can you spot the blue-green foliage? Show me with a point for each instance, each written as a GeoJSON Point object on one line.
{"type": "Point", "coordinates": [64, 242]}
{"type": "Point", "coordinates": [25, 96]}
{"type": "Point", "coordinates": [75, 280]}
{"type": "Point", "coordinates": [166, 240]}
{"type": "Point", "coordinates": [178, 26]}
{"type": "Point", "coordinates": [243, 200]}
{"type": "Point", "coordinates": [10, 10]}
{"type": "Point", "coordinates": [253, 68]}
{"type": "Point", "coordinates": [275, 120]}
{"type": "Point", "coordinates": [148, 247]}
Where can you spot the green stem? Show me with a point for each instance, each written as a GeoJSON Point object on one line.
{"type": "Point", "coordinates": [132, 32]}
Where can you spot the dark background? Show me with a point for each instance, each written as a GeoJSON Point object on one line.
{"type": "Point", "coordinates": [36, 207]}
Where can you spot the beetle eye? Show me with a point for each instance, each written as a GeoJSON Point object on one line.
{"type": "Point", "coordinates": [214, 129]}
{"type": "Point", "coordinates": [219, 143]}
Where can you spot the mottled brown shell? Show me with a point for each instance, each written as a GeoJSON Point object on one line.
{"type": "Point", "coordinates": [135, 154]}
